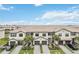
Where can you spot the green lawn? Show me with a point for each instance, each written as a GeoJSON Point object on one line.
{"type": "Point", "coordinates": [3, 41]}
{"type": "Point", "coordinates": [1, 50]}
{"type": "Point", "coordinates": [55, 50]}
{"type": "Point", "coordinates": [27, 51]}
{"type": "Point", "coordinates": [41, 49]}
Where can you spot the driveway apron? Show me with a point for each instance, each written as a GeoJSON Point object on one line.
{"type": "Point", "coordinates": [37, 49]}
{"type": "Point", "coordinates": [16, 50]}
{"type": "Point", "coordinates": [45, 49]}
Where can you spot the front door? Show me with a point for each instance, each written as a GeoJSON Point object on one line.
{"type": "Point", "coordinates": [44, 42]}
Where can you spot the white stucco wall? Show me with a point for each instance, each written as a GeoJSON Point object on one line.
{"type": "Point", "coordinates": [2, 34]}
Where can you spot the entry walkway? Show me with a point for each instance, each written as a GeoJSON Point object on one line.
{"type": "Point", "coordinates": [5, 52]}
{"type": "Point", "coordinates": [65, 49]}
{"type": "Point", "coordinates": [45, 49]}
{"type": "Point", "coordinates": [37, 49]}
{"type": "Point", "coordinates": [16, 50]}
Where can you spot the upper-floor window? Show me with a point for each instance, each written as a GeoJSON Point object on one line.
{"type": "Point", "coordinates": [60, 34]}
{"type": "Point", "coordinates": [67, 34]}
{"type": "Point", "coordinates": [37, 34]}
{"type": "Point", "coordinates": [20, 35]}
{"type": "Point", "coordinates": [73, 33]}
{"type": "Point", "coordinates": [43, 34]}
{"type": "Point", "coordinates": [13, 34]}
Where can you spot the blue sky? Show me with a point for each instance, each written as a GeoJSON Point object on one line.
{"type": "Point", "coordinates": [43, 14]}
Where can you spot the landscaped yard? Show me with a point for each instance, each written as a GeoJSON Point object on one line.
{"type": "Point", "coordinates": [26, 51]}
{"type": "Point", "coordinates": [1, 50]}
{"type": "Point", "coordinates": [55, 50]}
{"type": "Point", "coordinates": [3, 41]}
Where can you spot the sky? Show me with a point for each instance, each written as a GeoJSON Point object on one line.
{"type": "Point", "coordinates": [39, 14]}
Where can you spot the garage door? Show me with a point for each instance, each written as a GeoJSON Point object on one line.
{"type": "Point", "coordinates": [37, 42]}
{"type": "Point", "coordinates": [61, 42]}
{"type": "Point", "coordinates": [44, 42]}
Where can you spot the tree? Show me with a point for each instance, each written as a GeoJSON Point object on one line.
{"type": "Point", "coordinates": [55, 38]}
{"type": "Point", "coordinates": [77, 38]}
{"type": "Point", "coordinates": [28, 39]}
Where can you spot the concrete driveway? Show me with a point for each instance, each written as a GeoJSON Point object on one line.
{"type": "Point", "coordinates": [37, 49]}
{"type": "Point", "coordinates": [16, 50]}
{"type": "Point", "coordinates": [65, 49]}
{"type": "Point", "coordinates": [45, 49]}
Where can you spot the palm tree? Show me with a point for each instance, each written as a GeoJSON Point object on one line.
{"type": "Point", "coordinates": [55, 37]}
{"type": "Point", "coordinates": [28, 39]}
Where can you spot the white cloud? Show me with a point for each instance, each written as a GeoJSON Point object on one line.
{"type": "Point", "coordinates": [5, 8]}
{"type": "Point", "coordinates": [38, 4]}
{"type": "Point", "coordinates": [60, 15]}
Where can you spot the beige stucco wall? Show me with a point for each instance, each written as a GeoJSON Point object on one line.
{"type": "Point", "coordinates": [63, 37]}
{"type": "Point", "coordinates": [17, 36]}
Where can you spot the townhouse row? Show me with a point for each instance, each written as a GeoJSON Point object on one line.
{"type": "Point", "coordinates": [42, 34]}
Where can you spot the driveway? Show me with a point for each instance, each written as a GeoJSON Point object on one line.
{"type": "Point", "coordinates": [37, 49]}
{"type": "Point", "coordinates": [5, 52]}
{"type": "Point", "coordinates": [65, 49]}
{"type": "Point", "coordinates": [45, 49]}
{"type": "Point", "coordinates": [16, 50]}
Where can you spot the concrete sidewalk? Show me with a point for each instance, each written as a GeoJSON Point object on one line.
{"type": "Point", "coordinates": [5, 52]}
{"type": "Point", "coordinates": [16, 50]}
{"type": "Point", "coordinates": [37, 49]}
{"type": "Point", "coordinates": [45, 49]}
{"type": "Point", "coordinates": [65, 49]}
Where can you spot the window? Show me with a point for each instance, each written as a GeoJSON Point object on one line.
{"type": "Point", "coordinates": [66, 34]}
{"type": "Point", "coordinates": [20, 35]}
{"type": "Point", "coordinates": [36, 34]}
{"type": "Point", "coordinates": [43, 34]}
{"type": "Point", "coordinates": [60, 34]}
{"type": "Point", "coordinates": [73, 33]}
{"type": "Point", "coordinates": [13, 34]}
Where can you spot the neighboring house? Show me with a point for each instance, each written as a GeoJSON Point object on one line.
{"type": "Point", "coordinates": [42, 34]}
{"type": "Point", "coordinates": [2, 33]}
